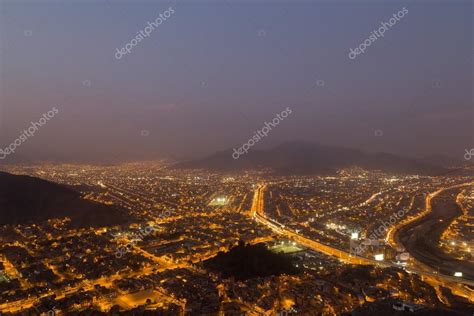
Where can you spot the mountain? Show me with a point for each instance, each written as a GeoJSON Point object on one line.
{"type": "Point", "coordinates": [25, 199]}
{"type": "Point", "coordinates": [308, 158]}
{"type": "Point", "coordinates": [444, 160]}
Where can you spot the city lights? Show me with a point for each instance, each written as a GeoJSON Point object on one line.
{"type": "Point", "coordinates": [379, 257]}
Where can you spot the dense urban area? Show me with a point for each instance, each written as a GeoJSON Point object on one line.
{"type": "Point", "coordinates": [357, 241]}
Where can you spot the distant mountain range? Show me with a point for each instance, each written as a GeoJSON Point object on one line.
{"type": "Point", "coordinates": [307, 158]}
{"type": "Point", "coordinates": [25, 199]}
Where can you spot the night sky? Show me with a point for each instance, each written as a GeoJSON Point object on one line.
{"type": "Point", "coordinates": [213, 72]}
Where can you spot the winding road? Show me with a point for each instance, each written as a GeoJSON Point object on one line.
{"type": "Point", "coordinates": [457, 285]}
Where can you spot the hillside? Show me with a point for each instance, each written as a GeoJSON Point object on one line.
{"type": "Point", "coordinates": [308, 158]}
{"type": "Point", "coordinates": [25, 199]}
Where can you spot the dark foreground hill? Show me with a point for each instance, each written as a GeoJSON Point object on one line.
{"type": "Point", "coordinates": [250, 261]}
{"type": "Point", "coordinates": [25, 199]}
{"type": "Point", "coordinates": [303, 158]}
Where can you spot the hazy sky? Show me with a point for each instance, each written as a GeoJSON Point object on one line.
{"type": "Point", "coordinates": [209, 76]}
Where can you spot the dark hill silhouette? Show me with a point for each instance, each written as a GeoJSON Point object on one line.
{"type": "Point", "coordinates": [25, 199]}
{"type": "Point", "coordinates": [309, 158]}
{"type": "Point", "coordinates": [250, 261]}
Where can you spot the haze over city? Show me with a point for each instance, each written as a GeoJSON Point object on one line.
{"type": "Point", "coordinates": [212, 73]}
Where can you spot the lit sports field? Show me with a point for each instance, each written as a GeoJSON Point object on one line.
{"type": "Point", "coordinates": [219, 201]}
{"type": "Point", "coordinates": [286, 247]}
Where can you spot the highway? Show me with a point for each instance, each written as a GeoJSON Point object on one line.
{"type": "Point", "coordinates": [257, 213]}
{"type": "Point", "coordinates": [421, 237]}
{"type": "Point", "coordinates": [457, 285]}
